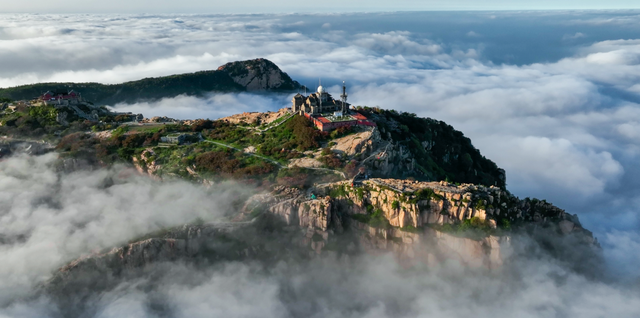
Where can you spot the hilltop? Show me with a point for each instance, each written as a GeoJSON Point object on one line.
{"type": "Point", "coordinates": [251, 75]}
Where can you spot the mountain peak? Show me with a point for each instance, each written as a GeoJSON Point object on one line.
{"type": "Point", "coordinates": [259, 75]}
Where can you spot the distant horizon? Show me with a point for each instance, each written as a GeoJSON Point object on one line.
{"type": "Point", "coordinates": [290, 6]}
{"type": "Point", "coordinates": [329, 12]}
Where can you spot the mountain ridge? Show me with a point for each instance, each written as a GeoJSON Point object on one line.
{"type": "Point", "coordinates": [250, 75]}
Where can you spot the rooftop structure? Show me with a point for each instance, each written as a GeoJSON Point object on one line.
{"type": "Point", "coordinates": [327, 113]}
{"type": "Point", "coordinates": [319, 102]}
{"type": "Point", "coordinates": [61, 97]}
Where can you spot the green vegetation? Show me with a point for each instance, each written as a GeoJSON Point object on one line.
{"type": "Point", "coordinates": [360, 193]}
{"type": "Point", "coordinates": [229, 163]}
{"type": "Point", "coordinates": [338, 191]}
{"type": "Point", "coordinates": [480, 205]}
{"type": "Point", "coordinates": [440, 151]}
{"type": "Point", "coordinates": [39, 122]}
{"type": "Point", "coordinates": [473, 228]}
{"type": "Point", "coordinates": [303, 178]}
{"type": "Point", "coordinates": [290, 139]}
{"type": "Point", "coordinates": [412, 229]}
{"type": "Point", "coordinates": [378, 220]}
{"type": "Point", "coordinates": [425, 194]}
{"type": "Point", "coordinates": [395, 204]}
{"type": "Point", "coordinates": [374, 218]}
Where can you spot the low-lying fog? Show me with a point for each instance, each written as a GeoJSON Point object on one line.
{"type": "Point", "coordinates": [50, 218]}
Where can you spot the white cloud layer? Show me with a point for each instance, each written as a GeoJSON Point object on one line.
{"type": "Point", "coordinates": [48, 218]}
{"type": "Point", "coordinates": [562, 118]}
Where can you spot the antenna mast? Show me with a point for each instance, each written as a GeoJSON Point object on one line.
{"type": "Point", "coordinates": [344, 98]}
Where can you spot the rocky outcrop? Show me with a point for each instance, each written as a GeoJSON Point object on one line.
{"type": "Point", "coordinates": [146, 163]}
{"type": "Point", "coordinates": [419, 221]}
{"type": "Point", "coordinates": [428, 149]}
{"type": "Point", "coordinates": [256, 118]}
{"type": "Point", "coordinates": [412, 203]}
{"type": "Point", "coordinates": [229, 241]}
{"type": "Point", "coordinates": [360, 143]}
{"type": "Point", "coordinates": [259, 75]}
{"type": "Point", "coordinates": [434, 248]}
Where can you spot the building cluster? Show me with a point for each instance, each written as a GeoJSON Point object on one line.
{"type": "Point", "coordinates": [61, 97]}
{"type": "Point", "coordinates": [327, 113]}
{"type": "Point", "coordinates": [320, 102]}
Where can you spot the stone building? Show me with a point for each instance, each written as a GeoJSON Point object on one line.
{"type": "Point", "coordinates": [319, 102]}
{"type": "Point", "coordinates": [327, 113]}
{"type": "Point", "coordinates": [61, 97]}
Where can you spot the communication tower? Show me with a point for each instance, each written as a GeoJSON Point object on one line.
{"type": "Point", "coordinates": [343, 97]}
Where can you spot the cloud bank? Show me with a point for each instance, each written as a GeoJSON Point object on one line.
{"type": "Point", "coordinates": [552, 97]}
{"type": "Point", "coordinates": [49, 218]}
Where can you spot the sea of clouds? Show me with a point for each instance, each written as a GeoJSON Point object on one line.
{"type": "Point", "coordinates": [48, 218]}
{"type": "Point", "coordinates": [552, 97]}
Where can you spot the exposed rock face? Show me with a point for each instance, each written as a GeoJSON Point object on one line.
{"type": "Point", "coordinates": [411, 203]}
{"type": "Point", "coordinates": [429, 149]}
{"type": "Point", "coordinates": [358, 143]}
{"type": "Point", "coordinates": [146, 164]}
{"type": "Point", "coordinates": [384, 158]}
{"type": "Point", "coordinates": [411, 209]}
{"type": "Point", "coordinates": [259, 75]}
{"type": "Point", "coordinates": [305, 163]}
{"type": "Point", "coordinates": [230, 241]}
{"type": "Point", "coordinates": [435, 248]}
{"type": "Point", "coordinates": [256, 118]}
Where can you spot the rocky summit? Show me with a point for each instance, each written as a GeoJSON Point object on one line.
{"type": "Point", "coordinates": [259, 75]}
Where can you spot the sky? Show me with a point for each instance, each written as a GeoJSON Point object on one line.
{"type": "Point", "coordinates": [285, 6]}
{"type": "Point", "coordinates": [550, 96]}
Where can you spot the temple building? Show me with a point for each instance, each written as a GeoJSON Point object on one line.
{"type": "Point", "coordinates": [320, 102]}
{"type": "Point", "coordinates": [327, 113]}
{"type": "Point", "coordinates": [61, 97]}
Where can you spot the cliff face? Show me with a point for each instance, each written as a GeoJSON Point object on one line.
{"type": "Point", "coordinates": [426, 222]}
{"type": "Point", "coordinates": [421, 223]}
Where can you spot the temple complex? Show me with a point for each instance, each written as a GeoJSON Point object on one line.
{"type": "Point", "coordinates": [327, 113]}
{"type": "Point", "coordinates": [320, 102]}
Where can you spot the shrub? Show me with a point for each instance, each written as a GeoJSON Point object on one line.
{"type": "Point", "coordinates": [122, 118]}
{"type": "Point", "coordinates": [340, 132]}
{"type": "Point", "coordinates": [378, 220]}
{"type": "Point", "coordinates": [395, 204]}
{"type": "Point", "coordinates": [338, 191]}
{"type": "Point", "coordinates": [411, 229]}
{"type": "Point", "coordinates": [201, 124]}
{"type": "Point", "coordinates": [331, 161]}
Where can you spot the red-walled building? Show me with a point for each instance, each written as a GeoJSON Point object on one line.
{"type": "Point", "coordinates": [325, 124]}
{"type": "Point", "coordinates": [60, 95]}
